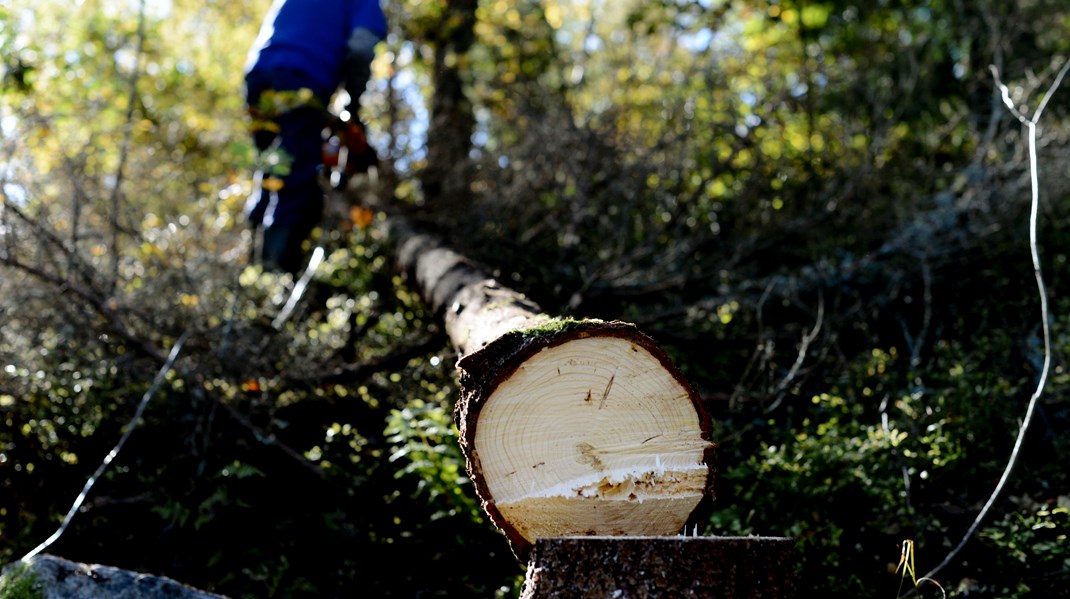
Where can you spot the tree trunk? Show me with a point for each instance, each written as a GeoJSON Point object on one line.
{"type": "Point", "coordinates": [642, 567]}
{"type": "Point", "coordinates": [569, 427]}
{"type": "Point", "coordinates": [445, 177]}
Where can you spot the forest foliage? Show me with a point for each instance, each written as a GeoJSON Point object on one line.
{"type": "Point", "coordinates": [821, 210]}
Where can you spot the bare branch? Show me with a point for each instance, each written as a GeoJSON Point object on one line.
{"type": "Point", "coordinates": [807, 339]}
{"type": "Point", "coordinates": [1027, 419]}
{"type": "Point", "coordinates": [124, 149]}
{"type": "Point", "coordinates": [98, 304]}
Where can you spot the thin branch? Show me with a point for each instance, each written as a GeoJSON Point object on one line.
{"type": "Point", "coordinates": [357, 372]}
{"type": "Point", "coordinates": [136, 420]}
{"type": "Point", "coordinates": [1031, 126]}
{"type": "Point", "coordinates": [763, 346]}
{"type": "Point", "coordinates": [75, 262]}
{"type": "Point", "coordinates": [270, 439]}
{"type": "Point", "coordinates": [886, 427]}
{"type": "Point", "coordinates": [124, 149]}
{"type": "Point", "coordinates": [917, 343]}
{"type": "Point", "coordinates": [804, 347]}
{"type": "Point", "coordinates": [97, 303]}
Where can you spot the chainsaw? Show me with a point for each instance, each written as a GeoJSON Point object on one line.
{"type": "Point", "coordinates": [346, 153]}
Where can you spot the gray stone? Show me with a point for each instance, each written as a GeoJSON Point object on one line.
{"type": "Point", "coordinates": [51, 577]}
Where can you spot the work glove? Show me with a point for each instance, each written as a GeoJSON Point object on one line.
{"type": "Point", "coordinates": [349, 135]}
{"type": "Point", "coordinates": [356, 69]}
{"type": "Point", "coordinates": [362, 155]}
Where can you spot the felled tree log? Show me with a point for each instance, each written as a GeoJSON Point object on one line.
{"type": "Point", "coordinates": [569, 427]}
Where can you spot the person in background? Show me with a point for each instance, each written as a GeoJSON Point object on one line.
{"type": "Point", "coordinates": [306, 52]}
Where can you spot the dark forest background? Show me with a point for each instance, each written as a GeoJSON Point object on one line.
{"type": "Point", "coordinates": [822, 210]}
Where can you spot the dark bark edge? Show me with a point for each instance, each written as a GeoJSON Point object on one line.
{"type": "Point", "coordinates": [480, 373]}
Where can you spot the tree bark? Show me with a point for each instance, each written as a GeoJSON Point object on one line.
{"type": "Point", "coordinates": [569, 427]}
{"type": "Point", "coordinates": [446, 176]}
{"type": "Point", "coordinates": [642, 567]}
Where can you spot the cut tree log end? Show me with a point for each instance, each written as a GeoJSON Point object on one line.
{"type": "Point", "coordinates": [582, 428]}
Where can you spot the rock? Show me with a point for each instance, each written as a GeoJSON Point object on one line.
{"type": "Point", "coordinates": [51, 577]}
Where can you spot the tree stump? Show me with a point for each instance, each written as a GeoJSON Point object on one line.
{"type": "Point", "coordinates": [645, 567]}
{"type": "Point", "coordinates": [569, 427]}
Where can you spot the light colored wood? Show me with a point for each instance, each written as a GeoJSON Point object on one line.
{"type": "Point", "coordinates": [583, 428]}
{"type": "Point", "coordinates": [592, 436]}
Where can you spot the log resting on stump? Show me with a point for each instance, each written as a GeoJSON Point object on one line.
{"type": "Point", "coordinates": [569, 427]}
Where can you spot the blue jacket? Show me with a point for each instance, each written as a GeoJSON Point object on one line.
{"type": "Point", "coordinates": [312, 38]}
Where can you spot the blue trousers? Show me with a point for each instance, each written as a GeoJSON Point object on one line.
{"type": "Point", "coordinates": [288, 216]}
{"type": "Point", "coordinates": [300, 202]}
